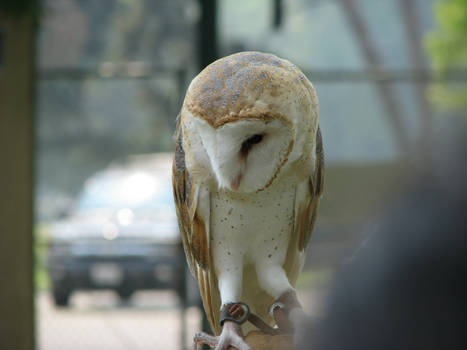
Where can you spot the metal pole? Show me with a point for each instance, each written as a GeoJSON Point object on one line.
{"type": "Point", "coordinates": [414, 46]}
{"type": "Point", "coordinates": [207, 48]}
{"type": "Point", "coordinates": [277, 13]}
{"type": "Point", "coordinates": [371, 54]}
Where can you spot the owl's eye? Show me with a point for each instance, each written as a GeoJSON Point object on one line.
{"type": "Point", "coordinates": [248, 143]}
{"type": "Point", "coordinates": [254, 139]}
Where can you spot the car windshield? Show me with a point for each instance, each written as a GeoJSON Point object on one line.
{"type": "Point", "coordinates": [139, 191]}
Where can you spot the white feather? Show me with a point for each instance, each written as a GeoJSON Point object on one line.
{"type": "Point", "coordinates": [248, 226]}
{"type": "Point", "coordinates": [219, 150]}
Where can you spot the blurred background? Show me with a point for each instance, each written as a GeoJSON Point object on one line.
{"type": "Point", "coordinates": [89, 92]}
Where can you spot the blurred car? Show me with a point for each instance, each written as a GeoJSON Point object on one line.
{"type": "Point", "coordinates": [122, 233]}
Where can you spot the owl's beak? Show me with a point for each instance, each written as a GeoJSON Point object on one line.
{"type": "Point", "coordinates": [235, 184]}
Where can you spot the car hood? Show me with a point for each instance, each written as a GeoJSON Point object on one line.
{"type": "Point", "coordinates": [109, 226]}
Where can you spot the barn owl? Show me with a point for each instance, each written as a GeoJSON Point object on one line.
{"type": "Point", "coordinates": [247, 177]}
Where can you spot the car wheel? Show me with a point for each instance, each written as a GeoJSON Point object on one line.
{"type": "Point", "coordinates": [62, 296]}
{"type": "Point", "coordinates": [125, 293]}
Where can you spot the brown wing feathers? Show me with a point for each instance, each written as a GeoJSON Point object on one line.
{"type": "Point", "coordinates": [194, 235]}
{"type": "Point", "coordinates": [308, 211]}
{"type": "Point", "coordinates": [179, 182]}
{"type": "Point", "coordinates": [199, 242]}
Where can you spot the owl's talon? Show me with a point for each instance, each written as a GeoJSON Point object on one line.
{"type": "Point", "coordinates": [231, 336]}
{"type": "Point", "coordinates": [204, 338]}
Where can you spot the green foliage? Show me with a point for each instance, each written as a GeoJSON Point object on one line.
{"type": "Point", "coordinates": [41, 276]}
{"type": "Point", "coordinates": [448, 48]}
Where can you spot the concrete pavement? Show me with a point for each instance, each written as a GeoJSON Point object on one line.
{"type": "Point", "coordinates": [97, 321]}
{"type": "Point", "coordinates": [151, 320]}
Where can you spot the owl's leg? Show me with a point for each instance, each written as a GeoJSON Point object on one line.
{"type": "Point", "coordinates": [229, 272]}
{"type": "Point", "coordinates": [289, 314]}
{"type": "Point", "coordinates": [230, 283]}
{"type": "Point", "coordinates": [230, 288]}
{"type": "Point", "coordinates": [273, 279]}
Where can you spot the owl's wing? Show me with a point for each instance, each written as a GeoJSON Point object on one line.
{"type": "Point", "coordinates": [193, 220]}
{"type": "Point", "coordinates": [306, 207]}
{"type": "Point", "coordinates": [307, 211]}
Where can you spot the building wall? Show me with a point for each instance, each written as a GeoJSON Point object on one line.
{"type": "Point", "coordinates": [16, 184]}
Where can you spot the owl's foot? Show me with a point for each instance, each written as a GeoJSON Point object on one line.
{"type": "Point", "coordinates": [289, 315]}
{"type": "Point", "coordinates": [231, 336]}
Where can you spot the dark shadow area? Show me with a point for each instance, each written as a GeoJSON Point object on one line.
{"type": "Point", "coordinates": [404, 288]}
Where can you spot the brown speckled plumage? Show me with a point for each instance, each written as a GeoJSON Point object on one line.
{"type": "Point", "coordinates": [228, 89]}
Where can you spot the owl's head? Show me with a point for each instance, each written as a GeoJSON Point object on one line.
{"type": "Point", "coordinates": [246, 118]}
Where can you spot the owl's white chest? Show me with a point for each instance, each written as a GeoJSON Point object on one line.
{"type": "Point", "coordinates": [251, 229]}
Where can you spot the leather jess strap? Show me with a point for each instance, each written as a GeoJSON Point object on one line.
{"type": "Point", "coordinates": [263, 326]}
{"type": "Point", "coordinates": [240, 313]}
{"type": "Point", "coordinates": [235, 312]}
